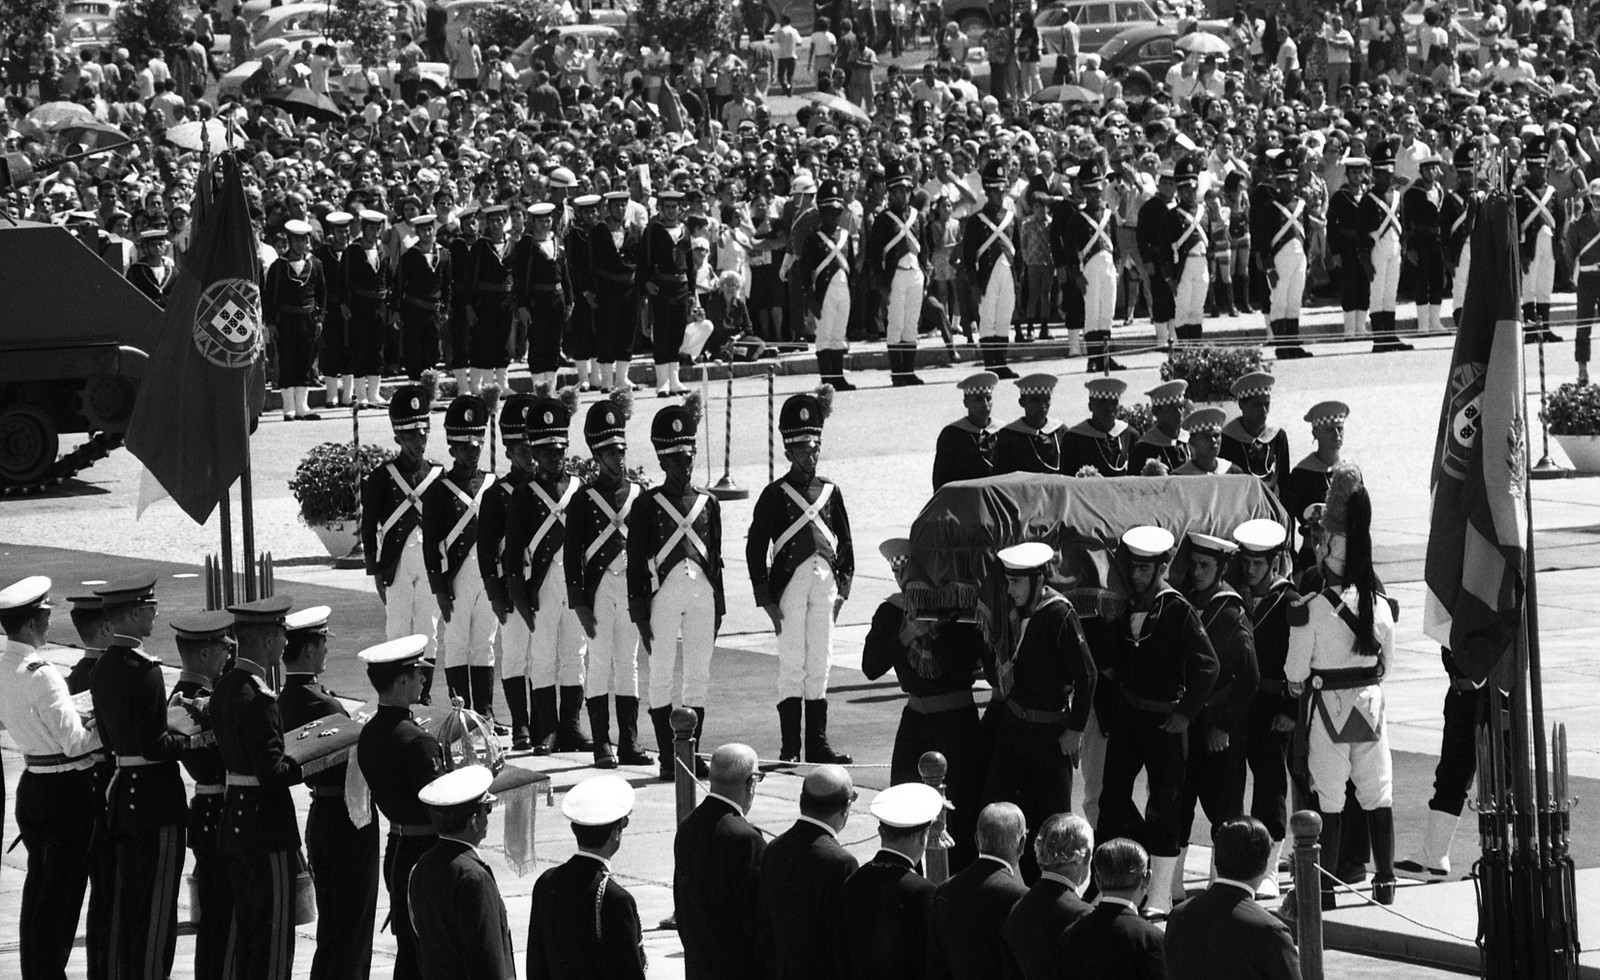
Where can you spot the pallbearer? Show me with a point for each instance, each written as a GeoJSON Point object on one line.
{"type": "Point", "coordinates": [1249, 442]}
{"type": "Point", "coordinates": [1205, 436]}
{"type": "Point", "coordinates": [1102, 441]}
{"type": "Point", "coordinates": [1036, 442]}
{"type": "Point", "coordinates": [965, 450]}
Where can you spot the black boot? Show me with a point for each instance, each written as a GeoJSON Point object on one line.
{"type": "Point", "coordinates": [897, 375]}
{"type": "Point", "coordinates": [1332, 827]}
{"type": "Point", "coordinates": [482, 682]}
{"type": "Point", "coordinates": [1542, 311]}
{"type": "Point", "coordinates": [570, 736]}
{"type": "Point", "coordinates": [817, 747]}
{"type": "Point", "coordinates": [908, 358]}
{"type": "Point", "coordinates": [789, 729]}
{"type": "Point", "coordinates": [1241, 294]}
{"type": "Point", "coordinates": [629, 752]}
{"type": "Point", "coordinates": [545, 720]}
{"type": "Point", "coordinates": [702, 769]}
{"type": "Point", "coordinates": [600, 724]}
{"type": "Point", "coordinates": [1380, 824]}
{"type": "Point", "coordinates": [1044, 330]}
{"type": "Point", "coordinates": [1001, 356]}
{"type": "Point", "coordinates": [458, 683]}
{"type": "Point", "coordinates": [516, 691]}
{"type": "Point", "coordinates": [1530, 324]}
{"type": "Point", "coordinates": [986, 349]}
{"type": "Point", "coordinates": [661, 720]}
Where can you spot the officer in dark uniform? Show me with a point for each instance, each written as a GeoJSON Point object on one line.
{"type": "Point", "coordinates": [455, 904]}
{"type": "Point", "coordinates": [1062, 849]}
{"type": "Point", "coordinates": [333, 350]}
{"type": "Point", "coordinates": [398, 758]}
{"type": "Point", "coordinates": [584, 923]}
{"type": "Point", "coordinates": [613, 260]}
{"type": "Point", "coordinates": [664, 275]}
{"type": "Point", "coordinates": [1249, 442]}
{"type": "Point", "coordinates": [205, 645]}
{"type": "Point", "coordinates": [495, 559]}
{"type": "Point", "coordinates": [1165, 442]}
{"type": "Point", "coordinates": [965, 450]}
{"type": "Point", "coordinates": [146, 802]}
{"type": "Point", "coordinates": [580, 339]}
{"type": "Point", "coordinates": [716, 872]}
{"type": "Point", "coordinates": [488, 302]}
{"type": "Point", "coordinates": [155, 271]}
{"type": "Point", "coordinates": [885, 907]}
{"type": "Point", "coordinates": [1036, 442]}
{"type": "Point", "coordinates": [1459, 215]}
{"type": "Point", "coordinates": [894, 256]}
{"type": "Point", "coordinates": [422, 285]}
{"type": "Point", "coordinates": [1151, 222]}
{"type": "Point", "coordinates": [1422, 220]}
{"type": "Point", "coordinates": [260, 839]}
{"type": "Point", "coordinates": [544, 293]}
{"type": "Point", "coordinates": [1278, 221]}
{"type": "Point", "coordinates": [293, 298]}
{"type": "Point", "coordinates": [94, 634]}
{"type": "Point", "coordinates": [1164, 669]}
{"type": "Point", "coordinates": [343, 857]}
{"type": "Point", "coordinates": [365, 277]}
{"type": "Point", "coordinates": [1351, 245]}
{"type": "Point", "coordinates": [1102, 441]}
{"type": "Point", "coordinates": [457, 337]}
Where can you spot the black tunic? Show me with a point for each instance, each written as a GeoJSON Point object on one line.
{"type": "Point", "coordinates": [569, 936]}
{"type": "Point", "coordinates": [1156, 444]}
{"type": "Point", "coordinates": [802, 877]}
{"type": "Point", "coordinates": [963, 452]}
{"type": "Point", "coordinates": [258, 819]}
{"type": "Point", "coordinates": [130, 707]}
{"type": "Point", "coordinates": [884, 911]}
{"type": "Point", "coordinates": [1265, 455]}
{"type": "Point", "coordinates": [459, 916]}
{"type": "Point", "coordinates": [650, 527]}
{"type": "Point", "coordinates": [775, 510]}
{"type": "Point", "coordinates": [1109, 453]}
{"type": "Point", "coordinates": [1021, 448]}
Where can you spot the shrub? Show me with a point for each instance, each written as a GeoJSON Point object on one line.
{"type": "Point", "coordinates": [676, 24]}
{"type": "Point", "coordinates": [145, 24]}
{"type": "Point", "coordinates": [327, 483]}
{"type": "Point", "coordinates": [1573, 410]}
{"type": "Point", "coordinates": [1138, 416]}
{"type": "Point", "coordinates": [1211, 371]}
{"type": "Point", "coordinates": [366, 24]}
{"type": "Point", "coordinates": [510, 23]}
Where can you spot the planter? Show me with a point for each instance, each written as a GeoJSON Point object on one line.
{"type": "Point", "coordinates": [1584, 451]}
{"type": "Point", "coordinates": [340, 538]}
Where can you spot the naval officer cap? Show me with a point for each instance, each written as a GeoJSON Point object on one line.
{"type": "Point", "coordinates": [1171, 393]}
{"type": "Point", "coordinates": [1109, 389]}
{"type": "Point", "coordinates": [138, 590]}
{"type": "Point", "coordinates": [32, 592]}
{"type": "Point", "coordinates": [1261, 536]}
{"type": "Point", "coordinates": [1208, 419]}
{"type": "Point", "coordinates": [308, 621]}
{"type": "Point", "coordinates": [1253, 384]}
{"type": "Point", "coordinates": [598, 801]}
{"type": "Point", "coordinates": [87, 601]}
{"type": "Point", "coordinates": [203, 627]}
{"type": "Point", "coordinates": [1148, 543]}
{"type": "Point", "coordinates": [1208, 544]}
{"type": "Point", "coordinates": [1026, 558]}
{"type": "Point", "coordinates": [1327, 413]}
{"type": "Point", "coordinates": [458, 787]}
{"type": "Point", "coordinates": [907, 805]}
{"type": "Point", "coordinates": [1037, 384]}
{"type": "Point", "coordinates": [269, 611]}
{"type": "Point", "coordinates": [981, 383]}
{"type": "Point", "coordinates": [407, 651]}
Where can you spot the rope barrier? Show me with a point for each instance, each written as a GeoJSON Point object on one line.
{"type": "Point", "coordinates": [1367, 899]}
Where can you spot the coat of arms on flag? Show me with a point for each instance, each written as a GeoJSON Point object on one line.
{"type": "Point", "coordinates": [227, 323]}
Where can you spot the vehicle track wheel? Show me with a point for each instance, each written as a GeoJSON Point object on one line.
{"type": "Point", "coordinates": [108, 401]}
{"type": "Point", "coordinates": [28, 444]}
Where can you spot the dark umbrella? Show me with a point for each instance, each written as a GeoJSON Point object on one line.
{"type": "Point", "coordinates": [304, 102]}
{"type": "Point", "coordinates": [92, 134]}
{"type": "Point", "coordinates": [1063, 93]}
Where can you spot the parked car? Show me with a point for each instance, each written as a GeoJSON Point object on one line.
{"type": "Point", "coordinates": [589, 36]}
{"type": "Point", "coordinates": [1100, 20]}
{"type": "Point", "coordinates": [435, 74]}
{"type": "Point", "coordinates": [291, 21]}
{"type": "Point", "coordinates": [1151, 47]}
{"type": "Point", "coordinates": [89, 34]}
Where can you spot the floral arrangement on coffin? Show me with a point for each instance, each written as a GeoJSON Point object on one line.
{"type": "Point", "coordinates": [1211, 371]}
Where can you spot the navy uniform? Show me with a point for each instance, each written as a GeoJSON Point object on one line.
{"type": "Point", "coordinates": [716, 883]}
{"type": "Point", "coordinates": [450, 509]}
{"type": "Point", "coordinates": [544, 292]}
{"type": "Point", "coordinates": [1350, 245]}
{"type": "Point", "coordinates": [1102, 441]}
{"type": "Point", "coordinates": [886, 906]}
{"type": "Point", "coordinates": [664, 274]}
{"type": "Point", "coordinates": [989, 242]}
{"type": "Point", "coordinates": [55, 804]}
{"type": "Point", "coordinates": [457, 337]}
{"type": "Point", "coordinates": [1164, 669]}
{"type": "Point", "coordinates": [894, 255]}
{"type": "Point", "coordinates": [365, 275]}
{"type": "Point", "coordinates": [260, 837]}
{"type": "Point", "coordinates": [1024, 447]}
{"type": "Point", "coordinates": [1582, 242]}
{"type": "Point", "coordinates": [1183, 255]}
{"type": "Point", "coordinates": [675, 581]}
{"type": "Point", "coordinates": [1278, 228]}
{"type": "Point", "coordinates": [614, 262]}
{"type": "Point", "coordinates": [294, 295]}
{"type": "Point", "coordinates": [155, 272]}
{"type": "Point", "coordinates": [146, 802]}
{"type": "Point", "coordinates": [1422, 218]}
{"type": "Point", "coordinates": [802, 559]}
{"type": "Point", "coordinates": [1379, 218]}
{"type": "Point", "coordinates": [580, 339]}
{"type": "Point", "coordinates": [1460, 217]}
{"type": "Point", "coordinates": [1264, 454]}
{"type": "Point", "coordinates": [495, 559]}
{"type": "Point", "coordinates": [965, 450]}
{"type": "Point", "coordinates": [1307, 483]}
{"type": "Point", "coordinates": [1165, 442]}
{"type": "Point", "coordinates": [422, 288]}
{"type": "Point", "coordinates": [454, 901]}
{"type": "Point", "coordinates": [391, 526]}
{"type": "Point", "coordinates": [487, 295]}
{"type": "Point", "coordinates": [803, 874]}
{"type": "Point", "coordinates": [102, 849]}
{"type": "Point", "coordinates": [398, 758]}
{"type": "Point", "coordinates": [1205, 426]}
{"type": "Point", "coordinates": [333, 349]}
{"type": "Point", "coordinates": [827, 255]}
{"type": "Point", "coordinates": [1085, 249]}
{"type": "Point", "coordinates": [1151, 220]}
{"type": "Point", "coordinates": [584, 923]}
{"type": "Point", "coordinates": [1540, 223]}
{"type": "Point", "coordinates": [343, 857]}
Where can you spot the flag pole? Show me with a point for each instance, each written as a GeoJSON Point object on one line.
{"type": "Point", "coordinates": [247, 526]}
{"type": "Point", "coordinates": [226, 508]}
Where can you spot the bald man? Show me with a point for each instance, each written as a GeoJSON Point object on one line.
{"type": "Point", "coordinates": [717, 874]}
{"type": "Point", "coordinates": [802, 876]}
{"type": "Point", "coordinates": [967, 938]}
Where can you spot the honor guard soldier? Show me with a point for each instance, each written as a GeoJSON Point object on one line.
{"type": "Point", "coordinates": [1268, 597]}
{"type": "Point", "coordinates": [1184, 257]}
{"type": "Point", "coordinates": [55, 804]}
{"type": "Point", "coordinates": [365, 275]}
{"type": "Point", "coordinates": [544, 292]}
{"type": "Point", "coordinates": [495, 559]}
{"type": "Point", "coordinates": [536, 528]}
{"type": "Point", "coordinates": [1045, 684]}
{"type": "Point", "coordinates": [333, 351]}
{"type": "Point", "coordinates": [933, 662]}
{"type": "Point", "coordinates": [1583, 244]}
{"type": "Point", "coordinates": [802, 561]}
{"type": "Point", "coordinates": [965, 450]}
{"type": "Point", "coordinates": [1248, 441]}
{"type": "Point", "coordinates": [343, 857]}
{"type": "Point", "coordinates": [580, 338]}
{"type": "Point", "coordinates": [1422, 215]}
{"type": "Point", "coordinates": [205, 647]}
{"type": "Point", "coordinates": [155, 271]}
{"type": "Point", "coordinates": [886, 906]}
{"type": "Point", "coordinates": [391, 520]}
{"type": "Point", "coordinates": [487, 290]}
{"type": "Point", "coordinates": [1087, 258]}
{"type": "Point", "coordinates": [398, 758]}
{"type": "Point", "coordinates": [1165, 442]}
{"type": "Point", "coordinates": [1036, 442]}
{"type": "Point", "coordinates": [450, 509]}
{"type": "Point", "coordinates": [457, 338]}
{"type": "Point", "coordinates": [1351, 244]}
{"type": "Point", "coordinates": [1278, 227]}
{"type": "Point", "coordinates": [455, 904]}
{"type": "Point", "coordinates": [716, 872]}
{"type": "Point", "coordinates": [1152, 219]}
{"type": "Point", "coordinates": [146, 806]}
{"type": "Point", "coordinates": [595, 563]}
{"type": "Point", "coordinates": [1102, 440]}
{"type": "Point", "coordinates": [1215, 763]}
{"type": "Point", "coordinates": [1205, 437]}
{"type": "Point", "coordinates": [1540, 220]}
{"type": "Point", "coordinates": [94, 634]}
{"type": "Point", "coordinates": [894, 254]}
{"type": "Point", "coordinates": [1164, 669]}
{"type": "Point", "coordinates": [260, 838]}
{"type": "Point", "coordinates": [988, 256]}
{"type": "Point", "coordinates": [1380, 221]}
{"type": "Point", "coordinates": [293, 298]}
{"type": "Point", "coordinates": [614, 259]}
{"type": "Point", "coordinates": [423, 287]}
{"type": "Point", "coordinates": [675, 594]}
{"type": "Point", "coordinates": [1460, 217]}
{"type": "Point", "coordinates": [664, 272]}
{"type": "Point", "coordinates": [1307, 483]}
{"type": "Point", "coordinates": [584, 923]}
{"type": "Point", "coordinates": [826, 258]}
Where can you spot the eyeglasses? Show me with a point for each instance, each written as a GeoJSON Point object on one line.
{"type": "Point", "coordinates": [758, 776]}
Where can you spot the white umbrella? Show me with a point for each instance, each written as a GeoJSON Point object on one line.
{"type": "Point", "coordinates": [1201, 42]}
{"type": "Point", "coordinates": [188, 136]}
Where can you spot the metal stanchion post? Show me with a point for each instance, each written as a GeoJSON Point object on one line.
{"type": "Point", "coordinates": [726, 488]}
{"type": "Point", "coordinates": [683, 749]}
{"type": "Point", "coordinates": [1546, 468]}
{"type": "Point", "coordinates": [935, 859]}
{"type": "Point", "coordinates": [772, 428]}
{"type": "Point", "coordinates": [1306, 825]}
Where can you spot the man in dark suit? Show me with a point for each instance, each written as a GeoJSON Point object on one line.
{"type": "Point", "coordinates": [1113, 941]}
{"type": "Point", "coordinates": [885, 907]}
{"type": "Point", "coordinates": [1063, 848]}
{"type": "Point", "coordinates": [970, 910]}
{"type": "Point", "coordinates": [455, 905]}
{"type": "Point", "coordinates": [802, 876]}
{"type": "Point", "coordinates": [1222, 932]}
{"type": "Point", "coordinates": [717, 872]}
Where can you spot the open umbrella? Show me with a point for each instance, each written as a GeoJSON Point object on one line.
{"type": "Point", "coordinates": [843, 106]}
{"type": "Point", "coordinates": [53, 115]}
{"type": "Point", "coordinates": [1064, 93]}
{"type": "Point", "coordinates": [92, 134]}
{"type": "Point", "coordinates": [304, 102]}
{"type": "Point", "coordinates": [188, 135]}
{"type": "Point", "coordinates": [1201, 42]}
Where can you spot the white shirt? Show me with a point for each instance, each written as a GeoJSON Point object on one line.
{"type": "Point", "coordinates": [787, 40]}
{"type": "Point", "coordinates": [36, 708]}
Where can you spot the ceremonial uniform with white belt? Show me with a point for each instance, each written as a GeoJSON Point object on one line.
{"type": "Point", "coordinates": [391, 527]}
{"type": "Point", "coordinates": [1101, 441]}
{"type": "Point", "coordinates": [1087, 251]}
{"type": "Point", "coordinates": [966, 448]}
{"type": "Point", "coordinates": [1278, 228]}
{"type": "Point", "coordinates": [1583, 244]}
{"type": "Point", "coordinates": [1380, 219]}
{"type": "Point", "coordinates": [826, 257]}
{"type": "Point", "coordinates": [102, 850]}
{"type": "Point", "coordinates": [989, 242]}
{"type": "Point", "coordinates": [675, 582]}
{"type": "Point", "coordinates": [1540, 220]}
{"type": "Point", "coordinates": [894, 254]}
{"type": "Point", "coordinates": [1036, 442]}
{"type": "Point", "coordinates": [422, 285]}
{"type": "Point", "coordinates": [1264, 454]}
{"type": "Point", "coordinates": [1460, 217]}
{"type": "Point", "coordinates": [495, 560]}
{"type": "Point", "coordinates": [1422, 214]}
{"type": "Point", "coordinates": [801, 528]}
{"type": "Point", "coordinates": [450, 510]}
{"type": "Point", "coordinates": [1184, 256]}
{"type": "Point", "coordinates": [1171, 449]}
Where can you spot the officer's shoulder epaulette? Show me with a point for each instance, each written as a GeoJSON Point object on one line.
{"type": "Point", "coordinates": [262, 687]}
{"type": "Point", "coordinates": [1299, 612]}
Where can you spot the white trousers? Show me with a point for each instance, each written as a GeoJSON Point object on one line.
{"type": "Point", "coordinates": [835, 318]}
{"type": "Point", "coordinates": [409, 606]}
{"type": "Point", "coordinates": [557, 645]}
{"type": "Point", "coordinates": [469, 635]}
{"type": "Point", "coordinates": [1458, 291]}
{"type": "Point", "coordinates": [1290, 264]}
{"type": "Point", "coordinates": [999, 301]}
{"type": "Point", "coordinates": [1540, 279]}
{"type": "Point", "coordinates": [1367, 764]}
{"type": "Point", "coordinates": [1385, 275]}
{"type": "Point", "coordinates": [1189, 300]}
{"type": "Point", "coordinates": [614, 651]}
{"type": "Point", "coordinates": [683, 624]}
{"type": "Point", "coordinates": [905, 306]}
{"type": "Point", "coordinates": [1099, 292]}
{"type": "Point", "coordinates": [806, 640]}
{"type": "Point", "coordinates": [1092, 762]}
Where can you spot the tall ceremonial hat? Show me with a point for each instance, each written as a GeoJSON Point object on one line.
{"type": "Point", "coordinates": [1535, 148]}
{"type": "Point", "coordinates": [467, 786]}
{"type": "Point", "coordinates": [1467, 155]}
{"type": "Point", "coordinates": [1090, 175]}
{"type": "Point", "coordinates": [410, 408]}
{"type": "Point", "coordinates": [1187, 171]}
{"type": "Point", "coordinates": [1026, 558]}
{"type": "Point", "coordinates": [801, 419]}
{"type": "Point", "coordinates": [1253, 384]}
{"type": "Point", "coordinates": [270, 610]}
{"type": "Point", "coordinates": [1327, 413]}
{"type": "Point", "coordinates": [208, 626]}
{"type": "Point", "coordinates": [908, 805]}
{"type": "Point", "coordinates": [407, 651]}
{"type": "Point", "coordinates": [674, 429]}
{"type": "Point", "coordinates": [895, 172]}
{"type": "Point", "coordinates": [1383, 156]}
{"type": "Point", "coordinates": [1148, 543]}
{"type": "Point", "coordinates": [1171, 393]}
{"type": "Point", "coordinates": [1209, 419]}
{"type": "Point", "coordinates": [466, 421]}
{"type": "Point", "coordinates": [1208, 544]}
{"type": "Point", "coordinates": [136, 590]}
{"type": "Point", "coordinates": [1284, 163]}
{"type": "Point", "coordinates": [32, 592]}
{"type": "Point", "coordinates": [994, 174]}
{"type": "Point", "coordinates": [1037, 384]}
{"type": "Point", "coordinates": [1106, 388]}
{"type": "Point", "coordinates": [982, 382]}
{"type": "Point", "coordinates": [514, 410]}
{"type": "Point", "coordinates": [549, 419]}
{"type": "Point", "coordinates": [831, 195]}
{"type": "Point", "coordinates": [607, 423]}
{"type": "Point", "coordinates": [598, 801]}
{"type": "Point", "coordinates": [1260, 536]}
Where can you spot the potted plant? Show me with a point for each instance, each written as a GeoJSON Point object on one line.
{"type": "Point", "coordinates": [327, 486]}
{"type": "Point", "coordinates": [1572, 412]}
{"type": "Point", "coordinates": [1211, 371]}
